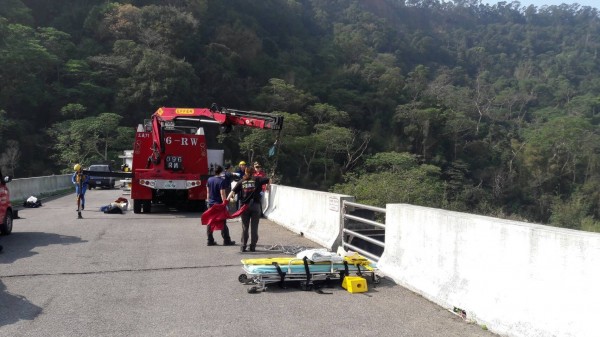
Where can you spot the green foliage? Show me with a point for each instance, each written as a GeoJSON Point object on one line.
{"type": "Point", "coordinates": [25, 61]}
{"type": "Point", "coordinates": [589, 224]}
{"type": "Point", "coordinates": [279, 95]}
{"type": "Point", "coordinates": [392, 162]}
{"type": "Point", "coordinates": [461, 105]}
{"type": "Point", "coordinates": [395, 178]}
{"type": "Point", "coordinates": [558, 153]}
{"type": "Point", "coordinates": [15, 11]}
{"type": "Point", "coordinates": [320, 113]}
{"type": "Point", "coordinates": [568, 214]}
{"type": "Point", "coordinates": [73, 110]}
{"type": "Point", "coordinates": [89, 140]}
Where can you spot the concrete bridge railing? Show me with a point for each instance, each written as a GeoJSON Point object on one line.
{"type": "Point", "coordinates": [314, 214]}
{"type": "Point", "coordinates": [23, 188]}
{"type": "Point", "coordinates": [516, 278]}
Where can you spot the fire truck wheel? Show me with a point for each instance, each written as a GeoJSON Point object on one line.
{"type": "Point", "coordinates": [137, 206]}
{"type": "Point", "coordinates": [146, 206]}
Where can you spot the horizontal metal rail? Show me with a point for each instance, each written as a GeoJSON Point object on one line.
{"type": "Point", "coordinates": [361, 251]}
{"type": "Point", "coordinates": [366, 238]}
{"type": "Point", "coordinates": [371, 208]}
{"type": "Point", "coordinates": [363, 220]}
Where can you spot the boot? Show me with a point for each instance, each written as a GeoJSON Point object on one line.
{"type": "Point", "coordinates": [252, 248]}
{"type": "Point", "coordinates": [211, 243]}
{"type": "Point", "coordinates": [228, 243]}
{"type": "Point", "coordinates": [243, 248]}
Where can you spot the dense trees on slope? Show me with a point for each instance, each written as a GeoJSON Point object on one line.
{"type": "Point", "coordinates": [464, 106]}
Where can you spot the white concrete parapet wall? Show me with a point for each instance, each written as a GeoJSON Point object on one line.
{"type": "Point", "coordinates": [23, 188]}
{"type": "Point", "coordinates": [518, 279]}
{"type": "Point", "coordinates": [315, 214]}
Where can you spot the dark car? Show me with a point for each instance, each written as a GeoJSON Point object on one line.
{"type": "Point", "coordinates": [96, 181]}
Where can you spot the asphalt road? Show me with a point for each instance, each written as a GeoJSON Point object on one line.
{"type": "Point", "coordinates": [153, 275]}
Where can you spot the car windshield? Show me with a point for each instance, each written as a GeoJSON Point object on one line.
{"type": "Point", "coordinates": [101, 168]}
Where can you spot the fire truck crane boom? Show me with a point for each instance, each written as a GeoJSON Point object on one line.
{"type": "Point", "coordinates": [227, 118]}
{"type": "Point", "coordinates": [223, 116]}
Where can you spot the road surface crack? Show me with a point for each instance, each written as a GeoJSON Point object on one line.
{"type": "Point", "coordinates": [96, 272]}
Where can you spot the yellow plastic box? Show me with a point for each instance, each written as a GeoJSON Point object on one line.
{"type": "Point", "coordinates": [355, 284]}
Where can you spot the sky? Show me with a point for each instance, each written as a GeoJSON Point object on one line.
{"type": "Point", "coordinates": [540, 3]}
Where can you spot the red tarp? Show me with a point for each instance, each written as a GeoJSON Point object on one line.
{"type": "Point", "coordinates": [216, 215]}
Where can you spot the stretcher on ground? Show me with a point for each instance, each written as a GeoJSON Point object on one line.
{"type": "Point", "coordinates": [264, 271]}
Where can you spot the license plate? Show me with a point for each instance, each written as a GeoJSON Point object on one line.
{"type": "Point", "coordinates": [173, 163]}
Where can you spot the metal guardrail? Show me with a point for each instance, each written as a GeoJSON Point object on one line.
{"type": "Point", "coordinates": [367, 238]}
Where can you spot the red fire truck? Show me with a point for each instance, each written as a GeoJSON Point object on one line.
{"type": "Point", "coordinates": [170, 156]}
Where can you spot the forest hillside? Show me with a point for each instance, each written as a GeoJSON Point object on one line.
{"type": "Point", "coordinates": [486, 109]}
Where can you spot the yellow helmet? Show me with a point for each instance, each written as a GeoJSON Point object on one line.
{"type": "Point", "coordinates": [77, 167]}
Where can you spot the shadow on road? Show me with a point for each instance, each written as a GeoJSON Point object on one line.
{"type": "Point", "coordinates": [23, 243]}
{"type": "Point", "coordinates": [14, 308]}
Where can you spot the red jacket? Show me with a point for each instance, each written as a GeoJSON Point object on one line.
{"type": "Point", "coordinates": [216, 215]}
{"type": "Point", "coordinates": [261, 174]}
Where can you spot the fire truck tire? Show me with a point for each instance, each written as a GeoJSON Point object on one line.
{"type": "Point", "coordinates": [137, 206]}
{"type": "Point", "coordinates": [6, 226]}
{"type": "Point", "coordinates": [146, 206]}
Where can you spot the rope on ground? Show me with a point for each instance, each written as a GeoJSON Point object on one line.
{"type": "Point", "coordinates": [289, 250]}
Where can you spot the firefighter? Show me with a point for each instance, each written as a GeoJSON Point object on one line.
{"type": "Point", "coordinates": [215, 189]}
{"type": "Point", "coordinates": [81, 182]}
{"type": "Point", "coordinates": [240, 174]}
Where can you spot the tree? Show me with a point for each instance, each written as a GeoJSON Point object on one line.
{"type": "Point", "coordinates": [91, 139]}
{"type": "Point", "coordinates": [281, 96]}
{"type": "Point", "coordinates": [395, 178]}
{"type": "Point", "coordinates": [420, 124]}
{"type": "Point", "coordinates": [26, 63]}
{"type": "Point", "coordinates": [16, 12]}
{"type": "Point", "coordinates": [321, 113]}
{"type": "Point", "coordinates": [156, 80]}
{"type": "Point", "coordinates": [73, 110]}
{"type": "Point", "coordinates": [9, 159]}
